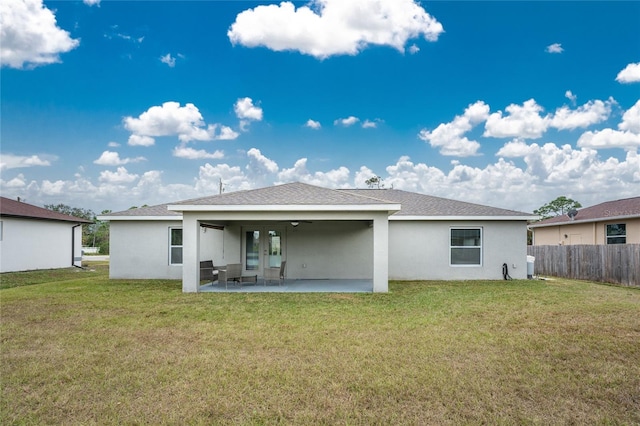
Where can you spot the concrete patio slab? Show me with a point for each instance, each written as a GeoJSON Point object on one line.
{"type": "Point", "coordinates": [293, 286]}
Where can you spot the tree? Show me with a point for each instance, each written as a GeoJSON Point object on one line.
{"type": "Point", "coordinates": [95, 234]}
{"type": "Point", "coordinates": [557, 207]}
{"type": "Point", "coordinates": [375, 181]}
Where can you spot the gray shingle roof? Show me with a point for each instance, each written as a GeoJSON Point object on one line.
{"type": "Point", "coordinates": [627, 207]}
{"type": "Point", "coordinates": [302, 194]}
{"type": "Point", "coordinates": [296, 193]}
{"type": "Point", "coordinates": [13, 208]}
{"type": "Point", "coordinates": [414, 204]}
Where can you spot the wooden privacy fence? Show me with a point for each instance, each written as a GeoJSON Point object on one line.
{"type": "Point", "coordinates": [614, 263]}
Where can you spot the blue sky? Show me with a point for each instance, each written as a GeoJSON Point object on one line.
{"type": "Point", "coordinates": [112, 104]}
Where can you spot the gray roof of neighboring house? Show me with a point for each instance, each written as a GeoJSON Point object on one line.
{"type": "Point", "coordinates": [159, 210]}
{"type": "Point", "coordinates": [627, 207]}
{"type": "Point", "coordinates": [13, 208]}
{"type": "Point", "coordinates": [297, 193]}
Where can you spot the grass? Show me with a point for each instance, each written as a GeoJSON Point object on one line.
{"type": "Point", "coordinates": [82, 349]}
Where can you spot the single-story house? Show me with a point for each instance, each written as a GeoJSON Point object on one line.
{"type": "Point", "coordinates": [32, 237]}
{"type": "Point", "coordinates": [612, 222]}
{"type": "Point", "coordinates": [373, 234]}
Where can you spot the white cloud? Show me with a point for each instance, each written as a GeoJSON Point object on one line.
{"type": "Point", "coordinates": [592, 112]}
{"type": "Point", "coordinates": [551, 171]}
{"type": "Point", "coordinates": [522, 122]}
{"type": "Point", "coordinates": [346, 122]}
{"type": "Point", "coordinates": [91, 2]}
{"type": "Point", "coordinates": [312, 124]}
{"type": "Point", "coordinates": [110, 158]}
{"type": "Point", "coordinates": [196, 154]}
{"type": "Point", "coordinates": [171, 119]}
{"type": "Point", "coordinates": [548, 172]}
{"type": "Point", "coordinates": [627, 137]}
{"type": "Point", "coordinates": [169, 60]}
{"type": "Point", "coordinates": [113, 144]}
{"type": "Point", "coordinates": [631, 119]}
{"type": "Point", "coordinates": [325, 28]}
{"type": "Point", "coordinates": [413, 49]}
{"type": "Point", "coordinates": [370, 124]}
{"type": "Point", "coordinates": [630, 74]}
{"type": "Point", "coordinates": [449, 136]}
{"type": "Point", "coordinates": [336, 178]}
{"type": "Point", "coordinates": [232, 178]}
{"type": "Point", "coordinates": [569, 95]}
{"type": "Point", "coordinates": [609, 138]}
{"type": "Point", "coordinates": [17, 182]}
{"type": "Point", "coordinates": [30, 35]}
{"type": "Point", "coordinates": [225, 133]}
{"type": "Point", "coordinates": [10, 161]}
{"type": "Point", "coordinates": [554, 48]}
{"type": "Point", "coordinates": [246, 111]}
{"type": "Point", "coordinates": [259, 164]}
{"type": "Point", "coordinates": [245, 108]}
{"type": "Point", "coordinates": [120, 176]}
{"type": "Point", "coordinates": [515, 148]}
{"type": "Point", "coordinates": [137, 140]}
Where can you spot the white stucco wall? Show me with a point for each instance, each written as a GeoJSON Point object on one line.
{"type": "Point", "coordinates": [419, 250]}
{"type": "Point", "coordinates": [29, 244]}
{"type": "Point", "coordinates": [330, 250]}
{"type": "Point", "coordinates": [140, 249]}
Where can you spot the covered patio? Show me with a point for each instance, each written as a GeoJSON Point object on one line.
{"type": "Point", "coordinates": [293, 286]}
{"type": "Point", "coordinates": [333, 241]}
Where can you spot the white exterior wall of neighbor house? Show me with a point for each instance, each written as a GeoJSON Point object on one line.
{"type": "Point", "coordinates": [421, 250]}
{"type": "Point", "coordinates": [140, 249]}
{"type": "Point", "coordinates": [29, 244]}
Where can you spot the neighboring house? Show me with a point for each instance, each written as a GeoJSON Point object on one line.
{"type": "Point", "coordinates": [374, 234]}
{"type": "Point", "coordinates": [32, 237]}
{"type": "Point", "coordinates": [612, 222]}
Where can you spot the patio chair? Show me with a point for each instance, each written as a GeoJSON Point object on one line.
{"type": "Point", "coordinates": [208, 272]}
{"type": "Point", "coordinates": [272, 274]}
{"type": "Point", "coordinates": [232, 272]}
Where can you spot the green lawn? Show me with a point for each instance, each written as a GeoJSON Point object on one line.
{"type": "Point", "coordinates": [78, 348]}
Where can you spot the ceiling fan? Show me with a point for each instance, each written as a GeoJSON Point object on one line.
{"type": "Point", "coordinates": [295, 223]}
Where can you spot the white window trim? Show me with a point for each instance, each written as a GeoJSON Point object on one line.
{"type": "Point", "coordinates": [477, 265]}
{"type": "Point", "coordinates": [171, 246]}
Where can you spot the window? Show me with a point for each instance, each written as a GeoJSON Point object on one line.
{"type": "Point", "coordinates": [617, 233]}
{"type": "Point", "coordinates": [175, 246]}
{"type": "Point", "coordinates": [466, 247]}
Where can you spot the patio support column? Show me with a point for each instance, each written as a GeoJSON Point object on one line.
{"type": "Point", "coordinates": [190, 254]}
{"type": "Point", "coordinates": [381, 253]}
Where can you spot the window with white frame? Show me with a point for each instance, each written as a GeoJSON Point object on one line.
{"type": "Point", "coordinates": [617, 233]}
{"type": "Point", "coordinates": [175, 246]}
{"type": "Point", "coordinates": [465, 247]}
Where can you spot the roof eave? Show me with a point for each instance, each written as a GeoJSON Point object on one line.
{"type": "Point", "coordinates": [155, 218]}
{"type": "Point", "coordinates": [53, 219]}
{"type": "Point", "coordinates": [463, 218]}
{"type": "Point", "coordinates": [392, 208]}
{"type": "Point", "coordinates": [575, 221]}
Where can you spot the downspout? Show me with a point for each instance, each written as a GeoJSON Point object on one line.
{"type": "Point", "coordinates": [73, 246]}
